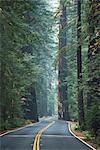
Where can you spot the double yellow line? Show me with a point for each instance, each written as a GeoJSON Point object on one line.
{"type": "Point", "coordinates": [36, 145]}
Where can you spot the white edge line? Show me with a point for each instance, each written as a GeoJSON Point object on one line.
{"type": "Point", "coordinates": [19, 128]}
{"type": "Point", "coordinates": [79, 138]}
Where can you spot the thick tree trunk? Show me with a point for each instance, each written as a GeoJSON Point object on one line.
{"type": "Point", "coordinates": [79, 67]}
{"type": "Point", "coordinates": [62, 74]}
{"type": "Point", "coordinates": [3, 94]}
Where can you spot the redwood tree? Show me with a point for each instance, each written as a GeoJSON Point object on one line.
{"type": "Point", "coordinates": [79, 67]}
{"type": "Point", "coordinates": [63, 99]}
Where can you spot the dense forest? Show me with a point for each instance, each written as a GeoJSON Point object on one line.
{"type": "Point", "coordinates": [26, 61]}
{"type": "Point", "coordinates": [49, 59]}
{"type": "Point", "coordinates": [79, 69]}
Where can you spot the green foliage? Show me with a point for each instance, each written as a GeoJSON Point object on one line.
{"type": "Point", "coordinates": [90, 62]}
{"type": "Point", "coordinates": [88, 136]}
{"type": "Point", "coordinates": [24, 53]}
{"type": "Point", "coordinates": [93, 119]}
{"type": "Point", "coordinates": [18, 70]}
{"type": "Point", "coordinates": [77, 127]}
{"type": "Point", "coordinates": [11, 123]}
{"type": "Point", "coordinates": [27, 53]}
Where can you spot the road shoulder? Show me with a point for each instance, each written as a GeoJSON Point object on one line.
{"type": "Point", "coordinates": [17, 129]}
{"type": "Point", "coordinates": [80, 136]}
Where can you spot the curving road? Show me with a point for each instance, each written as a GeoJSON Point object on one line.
{"type": "Point", "coordinates": [56, 137]}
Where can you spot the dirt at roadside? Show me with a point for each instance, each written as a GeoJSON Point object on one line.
{"type": "Point", "coordinates": [81, 135]}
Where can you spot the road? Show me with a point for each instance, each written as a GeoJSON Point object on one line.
{"type": "Point", "coordinates": [55, 137]}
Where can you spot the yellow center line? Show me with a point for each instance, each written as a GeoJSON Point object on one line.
{"type": "Point", "coordinates": [36, 145]}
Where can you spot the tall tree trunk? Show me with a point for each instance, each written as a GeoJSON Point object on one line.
{"type": "Point", "coordinates": [79, 66]}
{"type": "Point", "coordinates": [62, 74]}
{"type": "Point", "coordinates": [3, 93]}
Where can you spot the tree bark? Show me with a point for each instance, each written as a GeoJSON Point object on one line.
{"type": "Point", "coordinates": [79, 67]}
{"type": "Point", "coordinates": [62, 74]}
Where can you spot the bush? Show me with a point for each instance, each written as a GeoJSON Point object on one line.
{"type": "Point", "coordinates": [88, 136]}
{"type": "Point", "coordinates": [11, 123]}
{"type": "Point", "coordinates": [93, 120]}
{"type": "Point", "coordinates": [77, 127]}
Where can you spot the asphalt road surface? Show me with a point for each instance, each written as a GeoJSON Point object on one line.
{"type": "Point", "coordinates": [56, 137]}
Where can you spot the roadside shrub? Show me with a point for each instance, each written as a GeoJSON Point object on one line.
{"type": "Point", "coordinates": [77, 127]}
{"type": "Point", "coordinates": [88, 136]}
{"type": "Point", "coordinates": [93, 120]}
